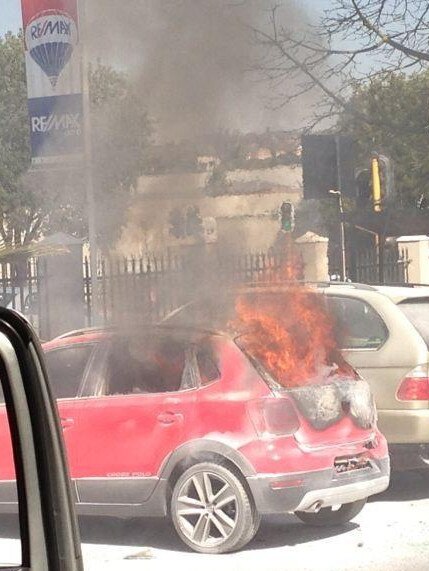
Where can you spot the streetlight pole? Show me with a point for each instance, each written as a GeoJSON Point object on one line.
{"type": "Point", "coordinates": [343, 234]}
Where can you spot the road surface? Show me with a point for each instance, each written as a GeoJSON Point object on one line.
{"type": "Point", "coordinates": [391, 534]}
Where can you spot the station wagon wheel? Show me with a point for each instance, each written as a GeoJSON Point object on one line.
{"type": "Point", "coordinates": [212, 511]}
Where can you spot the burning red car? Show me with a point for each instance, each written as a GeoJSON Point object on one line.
{"type": "Point", "coordinates": [187, 423]}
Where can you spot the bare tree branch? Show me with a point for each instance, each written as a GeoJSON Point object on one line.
{"type": "Point", "coordinates": [410, 52]}
{"type": "Point", "coordinates": [358, 40]}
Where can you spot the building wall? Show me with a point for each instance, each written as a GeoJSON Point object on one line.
{"type": "Point", "coordinates": [249, 221]}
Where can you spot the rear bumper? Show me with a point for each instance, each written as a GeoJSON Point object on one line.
{"type": "Point", "coordinates": [404, 426]}
{"type": "Point", "coordinates": [344, 494]}
{"type": "Point", "coordinates": [281, 493]}
{"type": "Point", "coordinates": [407, 432]}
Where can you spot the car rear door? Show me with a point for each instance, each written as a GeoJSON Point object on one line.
{"type": "Point", "coordinates": [128, 434]}
{"type": "Point", "coordinates": [68, 367]}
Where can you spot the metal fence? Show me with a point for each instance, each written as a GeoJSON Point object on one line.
{"type": "Point", "coordinates": [394, 268]}
{"type": "Point", "coordinates": [19, 288]}
{"type": "Point", "coordinates": [150, 287]}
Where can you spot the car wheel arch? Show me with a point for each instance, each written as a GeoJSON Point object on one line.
{"type": "Point", "coordinates": [201, 451]}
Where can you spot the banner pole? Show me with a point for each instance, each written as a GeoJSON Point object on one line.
{"type": "Point", "coordinates": [89, 175]}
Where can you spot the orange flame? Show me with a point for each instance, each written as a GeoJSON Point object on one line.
{"type": "Point", "coordinates": [290, 333]}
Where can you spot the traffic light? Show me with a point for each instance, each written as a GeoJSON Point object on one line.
{"type": "Point", "coordinates": [363, 188]}
{"type": "Point", "coordinates": [422, 202]}
{"type": "Point", "coordinates": [382, 175]}
{"type": "Point", "coordinates": [376, 184]}
{"type": "Point", "coordinates": [287, 217]}
{"type": "Point", "coordinates": [194, 222]}
{"type": "Point", "coordinates": [327, 164]}
{"type": "Point", "coordinates": [177, 223]}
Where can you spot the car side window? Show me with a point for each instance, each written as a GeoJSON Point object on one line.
{"type": "Point", "coordinates": [358, 325]}
{"type": "Point", "coordinates": [145, 365]}
{"type": "Point", "coordinates": [207, 365]}
{"type": "Point", "coordinates": [66, 368]}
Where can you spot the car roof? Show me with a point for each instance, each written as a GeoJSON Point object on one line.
{"type": "Point", "coordinates": [400, 294]}
{"type": "Point", "coordinates": [75, 339]}
{"type": "Point", "coordinates": [98, 334]}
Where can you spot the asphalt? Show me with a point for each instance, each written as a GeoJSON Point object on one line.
{"type": "Point", "coordinates": [390, 534]}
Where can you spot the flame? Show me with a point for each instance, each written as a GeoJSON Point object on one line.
{"type": "Point", "coordinates": [290, 333]}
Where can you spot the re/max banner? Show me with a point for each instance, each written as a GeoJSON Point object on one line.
{"type": "Point", "coordinates": [54, 79]}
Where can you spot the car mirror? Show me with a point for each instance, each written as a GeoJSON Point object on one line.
{"type": "Point", "coordinates": [49, 533]}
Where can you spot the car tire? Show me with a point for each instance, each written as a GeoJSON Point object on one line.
{"type": "Point", "coordinates": [212, 511]}
{"type": "Point", "coordinates": [332, 517]}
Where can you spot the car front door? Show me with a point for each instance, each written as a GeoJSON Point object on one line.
{"type": "Point", "coordinates": [133, 424]}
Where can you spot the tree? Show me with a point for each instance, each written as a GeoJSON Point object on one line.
{"type": "Point", "coordinates": [14, 145]}
{"type": "Point", "coordinates": [33, 204]}
{"type": "Point", "coordinates": [400, 103]}
{"type": "Point", "coordinates": [355, 41]}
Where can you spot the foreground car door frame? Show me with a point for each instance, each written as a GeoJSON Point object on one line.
{"type": "Point", "coordinates": [48, 528]}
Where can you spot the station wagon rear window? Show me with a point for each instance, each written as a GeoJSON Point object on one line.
{"type": "Point", "coordinates": [417, 311]}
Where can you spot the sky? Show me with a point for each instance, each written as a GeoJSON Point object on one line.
{"type": "Point", "coordinates": [10, 15]}
{"type": "Point", "coordinates": [10, 12]}
{"type": "Point", "coordinates": [253, 112]}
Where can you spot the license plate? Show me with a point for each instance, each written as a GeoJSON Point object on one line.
{"type": "Point", "coordinates": [351, 463]}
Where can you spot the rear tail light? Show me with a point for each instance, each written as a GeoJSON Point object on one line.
{"type": "Point", "coordinates": [415, 385]}
{"type": "Point", "coordinates": [274, 416]}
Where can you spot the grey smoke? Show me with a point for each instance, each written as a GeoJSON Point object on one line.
{"type": "Point", "coordinates": [191, 58]}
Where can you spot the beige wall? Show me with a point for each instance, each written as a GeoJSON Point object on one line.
{"type": "Point", "coordinates": [418, 254]}
{"type": "Point", "coordinates": [179, 183]}
{"type": "Point", "coordinates": [290, 176]}
{"type": "Point", "coordinates": [314, 251]}
{"type": "Point", "coordinates": [248, 221]}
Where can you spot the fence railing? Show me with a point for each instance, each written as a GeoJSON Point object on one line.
{"type": "Point", "coordinates": [150, 287]}
{"type": "Point", "coordinates": [394, 267]}
{"type": "Point", "coordinates": [19, 288]}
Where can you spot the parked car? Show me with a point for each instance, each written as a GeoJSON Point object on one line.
{"type": "Point", "coordinates": [181, 422]}
{"type": "Point", "coordinates": [385, 337]}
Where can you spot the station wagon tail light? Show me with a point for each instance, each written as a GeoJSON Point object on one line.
{"type": "Point", "coordinates": [415, 385]}
{"type": "Point", "coordinates": [274, 416]}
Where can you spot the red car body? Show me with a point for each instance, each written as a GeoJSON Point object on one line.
{"type": "Point", "coordinates": [126, 451]}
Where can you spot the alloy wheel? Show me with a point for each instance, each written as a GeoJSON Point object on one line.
{"type": "Point", "coordinates": [207, 509]}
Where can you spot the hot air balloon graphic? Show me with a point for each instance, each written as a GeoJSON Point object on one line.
{"type": "Point", "coordinates": [51, 37]}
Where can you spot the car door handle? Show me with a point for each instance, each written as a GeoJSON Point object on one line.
{"type": "Point", "coordinates": [66, 422]}
{"type": "Point", "coordinates": [169, 417]}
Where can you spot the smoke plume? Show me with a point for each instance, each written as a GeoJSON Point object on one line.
{"type": "Point", "coordinates": [192, 60]}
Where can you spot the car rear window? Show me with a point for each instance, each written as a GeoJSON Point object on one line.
{"type": "Point", "coordinates": [417, 311]}
{"type": "Point", "coordinates": [147, 364]}
{"type": "Point", "coordinates": [66, 367]}
{"type": "Point", "coordinates": [358, 325]}
{"type": "Point", "coordinates": [207, 365]}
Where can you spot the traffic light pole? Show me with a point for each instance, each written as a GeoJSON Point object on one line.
{"type": "Point", "coordinates": [343, 234]}
{"type": "Point", "coordinates": [341, 206]}
{"type": "Point", "coordinates": [343, 240]}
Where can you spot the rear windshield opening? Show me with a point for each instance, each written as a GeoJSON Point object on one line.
{"type": "Point", "coordinates": [280, 374]}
